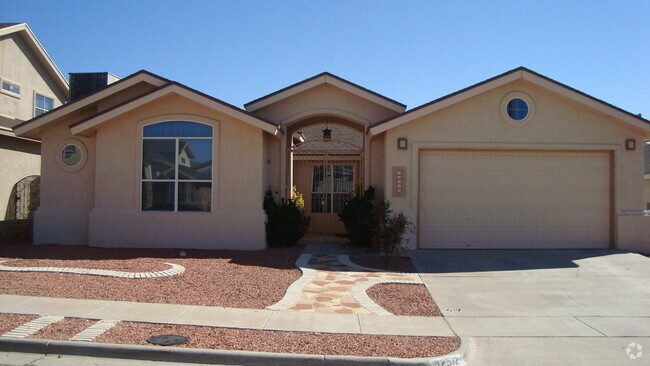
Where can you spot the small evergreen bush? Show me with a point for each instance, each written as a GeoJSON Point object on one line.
{"type": "Point", "coordinates": [360, 218]}
{"type": "Point", "coordinates": [286, 222]}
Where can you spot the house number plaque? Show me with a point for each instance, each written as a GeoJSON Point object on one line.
{"type": "Point", "coordinates": [399, 181]}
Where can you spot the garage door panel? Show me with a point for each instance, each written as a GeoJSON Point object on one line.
{"type": "Point", "coordinates": [493, 199]}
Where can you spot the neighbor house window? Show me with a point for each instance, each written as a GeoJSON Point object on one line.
{"type": "Point", "coordinates": [42, 104]}
{"type": "Point", "coordinates": [10, 88]}
{"type": "Point", "coordinates": [332, 186]}
{"type": "Point", "coordinates": [177, 167]}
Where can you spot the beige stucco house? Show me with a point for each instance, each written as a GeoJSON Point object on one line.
{"type": "Point", "coordinates": [30, 84]}
{"type": "Point", "coordinates": [516, 161]}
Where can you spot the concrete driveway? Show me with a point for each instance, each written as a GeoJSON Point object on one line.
{"type": "Point", "coordinates": [588, 305]}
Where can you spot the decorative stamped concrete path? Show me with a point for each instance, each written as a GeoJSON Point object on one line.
{"type": "Point", "coordinates": [333, 284]}
{"type": "Point", "coordinates": [174, 270]}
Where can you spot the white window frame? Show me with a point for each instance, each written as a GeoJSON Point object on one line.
{"type": "Point", "coordinates": [8, 92]}
{"type": "Point", "coordinates": [36, 93]}
{"type": "Point", "coordinates": [176, 169]}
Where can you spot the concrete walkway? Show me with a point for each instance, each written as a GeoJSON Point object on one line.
{"type": "Point", "coordinates": [225, 317]}
{"type": "Point", "coordinates": [333, 284]}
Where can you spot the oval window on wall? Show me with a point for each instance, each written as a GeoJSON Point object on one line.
{"type": "Point", "coordinates": [71, 155]}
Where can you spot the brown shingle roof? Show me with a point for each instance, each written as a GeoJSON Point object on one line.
{"type": "Point", "coordinates": [7, 25]}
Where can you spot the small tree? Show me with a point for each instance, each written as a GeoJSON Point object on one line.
{"type": "Point", "coordinates": [392, 228]}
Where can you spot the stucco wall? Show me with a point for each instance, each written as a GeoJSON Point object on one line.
{"type": "Point", "coordinates": [237, 218]}
{"type": "Point", "coordinates": [19, 159]}
{"type": "Point", "coordinates": [324, 99]}
{"type": "Point", "coordinates": [19, 65]}
{"type": "Point", "coordinates": [647, 191]}
{"type": "Point", "coordinates": [558, 123]}
{"type": "Point", "coordinates": [378, 164]}
{"type": "Point", "coordinates": [67, 195]}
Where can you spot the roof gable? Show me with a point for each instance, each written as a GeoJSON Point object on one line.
{"type": "Point", "coordinates": [36, 47]}
{"type": "Point", "coordinates": [325, 78]}
{"type": "Point", "coordinates": [32, 127]}
{"type": "Point", "coordinates": [89, 125]}
{"type": "Point", "coordinates": [520, 73]}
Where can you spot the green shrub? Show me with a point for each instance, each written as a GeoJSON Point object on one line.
{"type": "Point", "coordinates": [286, 222]}
{"type": "Point", "coordinates": [360, 218]}
{"type": "Point", "coordinates": [392, 228]}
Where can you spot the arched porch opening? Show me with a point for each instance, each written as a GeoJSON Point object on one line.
{"type": "Point", "coordinates": [326, 172]}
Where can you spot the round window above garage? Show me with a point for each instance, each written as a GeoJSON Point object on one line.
{"type": "Point", "coordinates": [517, 108]}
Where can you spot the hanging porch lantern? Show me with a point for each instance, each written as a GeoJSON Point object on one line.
{"type": "Point", "coordinates": [327, 134]}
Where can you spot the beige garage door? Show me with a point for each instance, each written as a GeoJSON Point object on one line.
{"type": "Point", "coordinates": [489, 199]}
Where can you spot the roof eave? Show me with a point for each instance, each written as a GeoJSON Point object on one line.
{"type": "Point", "coordinates": [88, 127]}
{"type": "Point", "coordinates": [32, 127]}
{"type": "Point", "coordinates": [523, 73]}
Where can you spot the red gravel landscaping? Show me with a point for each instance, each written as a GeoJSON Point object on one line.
{"type": "Point", "coordinates": [285, 342]}
{"type": "Point", "coordinates": [404, 299]}
{"type": "Point", "coordinates": [11, 321]}
{"type": "Point", "coordinates": [243, 279]}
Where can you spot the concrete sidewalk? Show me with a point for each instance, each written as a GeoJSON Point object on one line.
{"type": "Point", "coordinates": [226, 317]}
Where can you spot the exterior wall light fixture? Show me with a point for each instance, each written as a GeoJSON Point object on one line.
{"type": "Point", "coordinates": [630, 144]}
{"type": "Point", "coordinates": [402, 143]}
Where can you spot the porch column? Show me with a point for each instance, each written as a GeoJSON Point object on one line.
{"type": "Point", "coordinates": [283, 167]}
{"type": "Point", "coordinates": [365, 159]}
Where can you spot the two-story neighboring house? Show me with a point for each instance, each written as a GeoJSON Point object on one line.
{"type": "Point", "coordinates": [30, 85]}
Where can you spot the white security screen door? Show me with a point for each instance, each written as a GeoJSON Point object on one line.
{"type": "Point", "coordinates": [331, 187]}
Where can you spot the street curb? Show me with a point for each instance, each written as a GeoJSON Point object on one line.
{"type": "Point", "coordinates": [205, 356]}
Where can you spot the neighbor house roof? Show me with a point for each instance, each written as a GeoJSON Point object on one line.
{"type": "Point", "coordinates": [162, 87]}
{"type": "Point", "coordinates": [36, 47]}
{"type": "Point", "coordinates": [520, 73]}
{"type": "Point", "coordinates": [320, 79]}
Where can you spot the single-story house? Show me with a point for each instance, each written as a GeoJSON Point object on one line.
{"type": "Point", "coordinates": [516, 161]}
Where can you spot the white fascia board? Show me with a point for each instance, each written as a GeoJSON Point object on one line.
{"type": "Point", "coordinates": [5, 131]}
{"type": "Point", "coordinates": [444, 103]}
{"type": "Point", "coordinates": [87, 127]}
{"type": "Point", "coordinates": [589, 102]}
{"type": "Point", "coordinates": [74, 106]}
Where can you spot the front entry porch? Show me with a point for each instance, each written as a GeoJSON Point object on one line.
{"type": "Point", "coordinates": [326, 172]}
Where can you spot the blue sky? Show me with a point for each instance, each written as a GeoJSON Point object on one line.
{"type": "Point", "coordinates": [411, 51]}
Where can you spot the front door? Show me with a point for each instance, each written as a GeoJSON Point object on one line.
{"type": "Point", "coordinates": [331, 186]}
